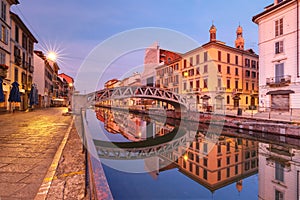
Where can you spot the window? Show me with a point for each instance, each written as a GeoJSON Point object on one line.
{"type": "Point", "coordinates": [24, 41]}
{"type": "Point", "coordinates": [253, 84]}
{"type": "Point", "coordinates": [253, 64]}
{"type": "Point", "coordinates": [278, 195]}
{"type": "Point", "coordinates": [17, 33]}
{"type": "Point", "coordinates": [278, 47]}
{"type": "Point", "coordinates": [191, 84]}
{"type": "Point", "coordinates": [228, 171]}
{"type": "Point", "coordinates": [197, 71]}
{"type": "Point", "coordinates": [228, 99]}
{"type": "Point", "coordinates": [191, 61]}
{"type": "Point", "coordinates": [16, 74]}
{"type": "Point", "coordinates": [228, 69]}
{"type": "Point", "coordinates": [237, 158]}
{"type": "Point", "coordinates": [228, 83]}
{"type": "Point", "coordinates": [246, 100]}
{"type": "Point", "coordinates": [279, 172]}
{"type": "Point", "coordinates": [219, 68]}
{"type": "Point", "coordinates": [205, 162]}
{"type": "Point", "coordinates": [190, 155]}
{"type": "Point", "coordinates": [205, 56]}
{"type": "Point", "coordinates": [219, 162]}
{"type": "Point", "coordinates": [197, 84]}
{"type": "Point", "coordinates": [247, 166]}
{"type": "Point", "coordinates": [219, 175]}
{"type": "Point", "coordinates": [4, 34]}
{"type": "Point", "coordinates": [219, 56]}
{"type": "Point", "coordinates": [236, 170]}
{"type": "Point", "coordinates": [219, 82]}
{"type": "Point", "coordinates": [205, 148]}
{"type": "Point", "coordinates": [197, 59]}
{"type": "Point", "coordinates": [197, 170]}
{"type": "Point", "coordinates": [236, 71]}
{"type": "Point", "coordinates": [2, 57]}
{"type": "Point", "coordinates": [219, 149]}
{"type": "Point", "coordinates": [191, 167]}
{"type": "Point", "coordinates": [247, 155]}
{"type": "Point", "coordinates": [3, 10]}
{"type": "Point", "coordinates": [228, 160]}
{"type": "Point", "coordinates": [205, 69]}
{"type": "Point", "coordinates": [247, 73]}
{"type": "Point", "coordinates": [279, 27]}
{"type": "Point", "coordinates": [228, 147]}
{"type": "Point", "coordinates": [247, 62]}
{"type": "Point", "coordinates": [253, 74]}
{"type": "Point", "coordinates": [247, 86]}
{"type": "Point", "coordinates": [236, 84]}
{"type": "Point", "coordinates": [228, 58]}
{"type": "Point", "coordinates": [205, 83]}
{"type": "Point", "coordinates": [205, 174]}
{"type": "Point", "coordinates": [279, 72]}
{"type": "Point", "coordinates": [184, 63]}
{"type": "Point", "coordinates": [236, 60]}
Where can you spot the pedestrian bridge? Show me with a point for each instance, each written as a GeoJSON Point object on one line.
{"type": "Point", "coordinates": [144, 149]}
{"type": "Point", "coordinates": [145, 92]}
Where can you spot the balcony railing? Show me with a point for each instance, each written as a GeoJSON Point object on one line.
{"type": "Point", "coordinates": [221, 89]}
{"type": "Point", "coordinates": [279, 81]}
{"type": "Point", "coordinates": [238, 91]}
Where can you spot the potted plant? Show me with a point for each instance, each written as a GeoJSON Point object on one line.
{"type": "Point", "coordinates": [3, 70]}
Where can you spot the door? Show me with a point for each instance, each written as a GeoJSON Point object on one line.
{"type": "Point", "coordinates": [280, 102]}
{"type": "Point", "coordinates": [279, 72]}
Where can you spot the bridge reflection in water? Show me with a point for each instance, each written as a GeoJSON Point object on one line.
{"type": "Point", "coordinates": [227, 163]}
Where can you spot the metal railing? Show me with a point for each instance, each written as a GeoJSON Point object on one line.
{"type": "Point", "coordinates": [278, 80]}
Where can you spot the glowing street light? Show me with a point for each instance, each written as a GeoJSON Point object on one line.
{"type": "Point", "coordinates": [51, 55]}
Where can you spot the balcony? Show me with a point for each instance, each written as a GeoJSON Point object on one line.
{"type": "Point", "coordinates": [220, 89]}
{"type": "Point", "coordinates": [237, 91]}
{"type": "Point", "coordinates": [279, 81]}
{"type": "Point", "coordinates": [254, 91]}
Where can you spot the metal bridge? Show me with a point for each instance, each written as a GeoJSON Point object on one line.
{"type": "Point", "coordinates": [145, 92]}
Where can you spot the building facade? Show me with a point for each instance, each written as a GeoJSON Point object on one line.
{"type": "Point", "coordinates": [279, 75]}
{"type": "Point", "coordinates": [22, 67]}
{"type": "Point", "coordinates": [43, 76]}
{"type": "Point", "coordinates": [5, 49]}
{"type": "Point", "coordinates": [217, 76]}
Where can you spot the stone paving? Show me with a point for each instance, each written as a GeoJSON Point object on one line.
{"type": "Point", "coordinates": [28, 143]}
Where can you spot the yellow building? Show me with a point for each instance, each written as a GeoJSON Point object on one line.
{"type": "Point", "coordinates": [217, 76]}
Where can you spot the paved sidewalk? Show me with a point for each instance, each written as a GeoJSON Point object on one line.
{"type": "Point", "coordinates": [28, 143]}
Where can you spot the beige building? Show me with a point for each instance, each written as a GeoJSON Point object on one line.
{"type": "Point", "coordinates": [217, 76]}
{"type": "Point", "coordinates": [5, 49]}
{"type": "Point", "coordinates": [279, 74]}
{"type": "Point", "coordinates": [22, 67]}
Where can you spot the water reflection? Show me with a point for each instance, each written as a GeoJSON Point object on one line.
{"type": "Point", "coordinates": [223, 164]}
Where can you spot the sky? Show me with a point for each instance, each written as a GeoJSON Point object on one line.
{"type": "Point", "coordinates": [74, 28]}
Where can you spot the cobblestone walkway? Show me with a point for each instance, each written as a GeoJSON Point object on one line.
{"type": "Point", "coordinates": [28, 143]}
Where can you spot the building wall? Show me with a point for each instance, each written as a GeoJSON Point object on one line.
{"type": "Point", "coordinates": [268, 58]}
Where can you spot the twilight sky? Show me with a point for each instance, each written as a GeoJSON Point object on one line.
{"type": "Point", "coordinates": [75, 27]}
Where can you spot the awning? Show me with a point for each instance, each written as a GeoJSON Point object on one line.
{"type": "Point", "coordinates": [219, 97]}
{"type": "Point", "coordinates": [280, 92]}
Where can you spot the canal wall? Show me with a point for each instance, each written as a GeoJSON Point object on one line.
{"type": "Point", "coordinates": [284, 128]}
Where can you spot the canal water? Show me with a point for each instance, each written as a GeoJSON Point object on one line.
{"type": "Point", "coordinates": [151, 157]}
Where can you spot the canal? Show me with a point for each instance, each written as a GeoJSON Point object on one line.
{"type": "Point", "coordinates": [151, 157]}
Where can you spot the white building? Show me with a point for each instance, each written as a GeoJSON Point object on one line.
{"type": "Point", "coordinates": [278, 172]}
{"type": "Point", "coordinates": [279, 72]}
{"type": "Point", "coordinates": [43, 77]}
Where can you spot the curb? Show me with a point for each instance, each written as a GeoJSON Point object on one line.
{"type": "Point", "coordinates": [47, 181]}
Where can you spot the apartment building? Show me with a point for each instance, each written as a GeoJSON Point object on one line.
{"type": "Point", "coordinates": [5, 49]}
{"type": "Point", "coordinates": [218, 76]}
{"type": "Point", "coordinates": [22, 68]}
{"type": "Point", "coordinates": [279, 74]}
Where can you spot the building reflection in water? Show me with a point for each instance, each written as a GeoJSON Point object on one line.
{"type": "Point", "coordinates": [216, 164]}
{"type": "Point", "coordinates": [279, 167]}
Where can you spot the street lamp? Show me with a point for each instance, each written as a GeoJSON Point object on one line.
{"type": "Point", "coordinates": [51, 55]}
